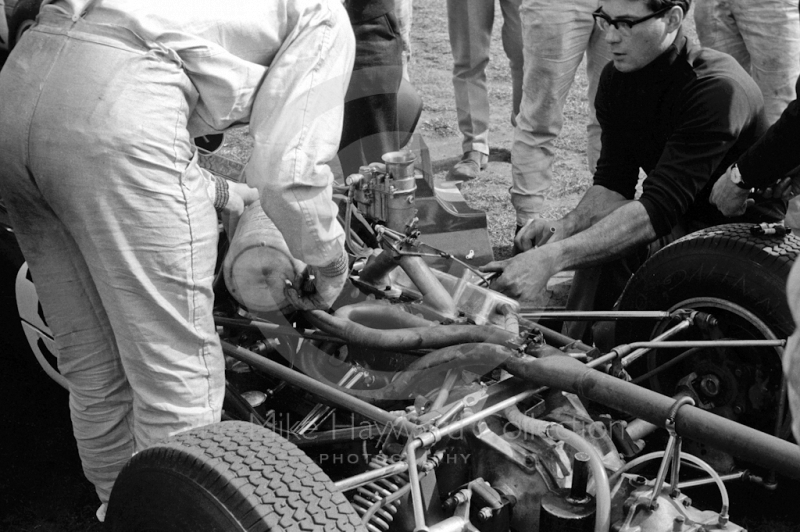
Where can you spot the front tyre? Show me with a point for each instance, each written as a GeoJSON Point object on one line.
{"type": "Point", "coordinates": [230, 476]}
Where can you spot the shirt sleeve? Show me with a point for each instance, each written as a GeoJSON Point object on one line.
{"type": "Point", "coordinates": [616, 169]}
{"type": "Point", "coordinates": [776, 153]}
{"type": "Point", "coordinates": [296, 125]}
{"type": "Point", "coordinates": [710, 122]}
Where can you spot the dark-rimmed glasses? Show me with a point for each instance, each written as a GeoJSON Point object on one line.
{"type": "Point", "coordinates": [623, 25]}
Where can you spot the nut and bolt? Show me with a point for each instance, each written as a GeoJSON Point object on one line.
{"type": "Point", "coordinates": [485, 514]}
{"type": "Point", "coordinates": [677, 524]}
{"type": "Point", "coordinates": [710, 385]}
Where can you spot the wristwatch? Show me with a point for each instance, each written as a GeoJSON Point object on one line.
{"type": "Point", "coordinates": [736, 178]}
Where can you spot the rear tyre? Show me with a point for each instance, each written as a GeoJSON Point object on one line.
{"type": "Point", "coordinates": [738, 278]}
{"type": "Point", "coordinates": [230, 476]}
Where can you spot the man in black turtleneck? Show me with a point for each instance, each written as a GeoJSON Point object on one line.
{"type": "Point", "coordinates": [681, 114]}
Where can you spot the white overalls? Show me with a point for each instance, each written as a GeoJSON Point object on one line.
{"type": "Point", "coordinates": [100, 101]}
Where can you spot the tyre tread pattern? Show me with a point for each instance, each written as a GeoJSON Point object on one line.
{"type": "Point", "coordinates": [768, 257]}
{"type": "Point", "coordinates": [263, 479]}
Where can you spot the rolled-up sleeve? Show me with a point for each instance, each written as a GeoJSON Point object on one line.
{"type": "Point", "coordinates": [296, 124]}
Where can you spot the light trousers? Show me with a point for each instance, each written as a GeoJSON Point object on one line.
{"type": "Point", "coordinates": [791, 356]}
{"type": "Point", "coordinates": [113, 216]}
{"type": "Point", "coordinates": [556, 36]}
{"type": "Point", "coordinates": [763, 36]}
{"type": "Point", "coordinates": [470, 25]}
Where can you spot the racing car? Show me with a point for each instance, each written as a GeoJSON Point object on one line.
{"type": "Point", "coordinates": [425, 400]}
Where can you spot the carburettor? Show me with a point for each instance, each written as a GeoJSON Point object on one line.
{"type": "Point", "coordinates": [388, 195]}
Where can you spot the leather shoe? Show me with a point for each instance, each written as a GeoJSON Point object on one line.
{"type": "Point", "coordinates": [469, 166]}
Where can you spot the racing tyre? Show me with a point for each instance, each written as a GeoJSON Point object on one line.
{"type": "Point", "coordinates": [740, 279]}
{"type": "Point", "coordinates": [21, 19]}
{"type": "Point", "coordinates": [230, 476]}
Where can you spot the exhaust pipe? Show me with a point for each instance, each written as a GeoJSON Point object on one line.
{"type": "Point", "coordinates": [567, 374]}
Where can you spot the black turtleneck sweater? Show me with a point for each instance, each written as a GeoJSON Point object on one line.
{"type": "Point", "coordinates": [683, 119]}
{"type": "Point", "coordinates": [777, 153]}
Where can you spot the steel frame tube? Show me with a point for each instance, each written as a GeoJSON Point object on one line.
{"type": "Point", "coordinates": [436, 434]}
{"type": "Point", "coordinates": [710, 480]}
{"type": "Point", "coordinates": [318, 388]}
{"type": "Point", "coordinates": [413, 480]}
{"type": "Point", "coordinates": [638, 353]}
{"type": "Point", "coordinates": [707, 343]}
{"type": "Point", "coordinates": [620, 350]}
{"type": "Point", "coordinates": [433, 293]}
{"type": "Point", "coordinates": [368, 476]}
{"type": "Point", "coordinates": [666, 365]}
{"type": "Point", "coordinates": [592, 315]}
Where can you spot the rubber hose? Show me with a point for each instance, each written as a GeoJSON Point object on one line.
{"type": "Point", "coordinates": [435, 337]}
{"type": "Point", "coordinates": [379, 316]}
{"type": "Point", "coordinates": [485, 357]}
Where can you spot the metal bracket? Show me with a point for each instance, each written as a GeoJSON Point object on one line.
{"type": "Point", "coordinates": [672, 453]}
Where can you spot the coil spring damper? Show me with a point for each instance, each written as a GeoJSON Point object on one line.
{"type": "Point", "coordinates": [377, 502]}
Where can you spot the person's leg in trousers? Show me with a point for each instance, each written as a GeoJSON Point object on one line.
{"type": "Point", "coordinates": [143, 252]}
{"type": "Point", "coordinates": [598, 55]}
{"type": "Point", "coordinates": [370, 114]}
{"type": "Point", "coordinates": [100, 398]}
{"type": "Point", "coordinates": [771, 32]}
{"type": "Point", "coordinates": [764, 37]}
{"type": "Point", "coordinates": [597, 288]}
{"type": "Point", "coordinates": [555, 34]}
{"type": "Point", "coordinates": [791, 359]}
{"type": "Point", "coordinates": [470, 24]}
{"type": "Point", "coordinates": [513, 47]}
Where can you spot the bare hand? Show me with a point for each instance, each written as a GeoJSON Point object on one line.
{"type": "Point", "coordinates": [245, 191]}
{"type": "Point", "coordinates": [522, 277]}
{"type": "Point", "coordinates": [538, 232]}
{"type": "Point", "coordinates": [781, 190]}
{"type": "Point", "coordinates": [730, 199]}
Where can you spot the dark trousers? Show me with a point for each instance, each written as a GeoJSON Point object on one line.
{"type": "Point", "coordinates": [599, 287]}
{"type": "Point", "coordinates": [370, 113]}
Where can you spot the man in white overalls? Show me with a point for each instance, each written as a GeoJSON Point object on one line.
{"type": "Point", "coordinates": [100, 102]}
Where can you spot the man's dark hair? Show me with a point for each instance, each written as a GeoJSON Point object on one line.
{"type": "Point", "coordinates": [658, 5]}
